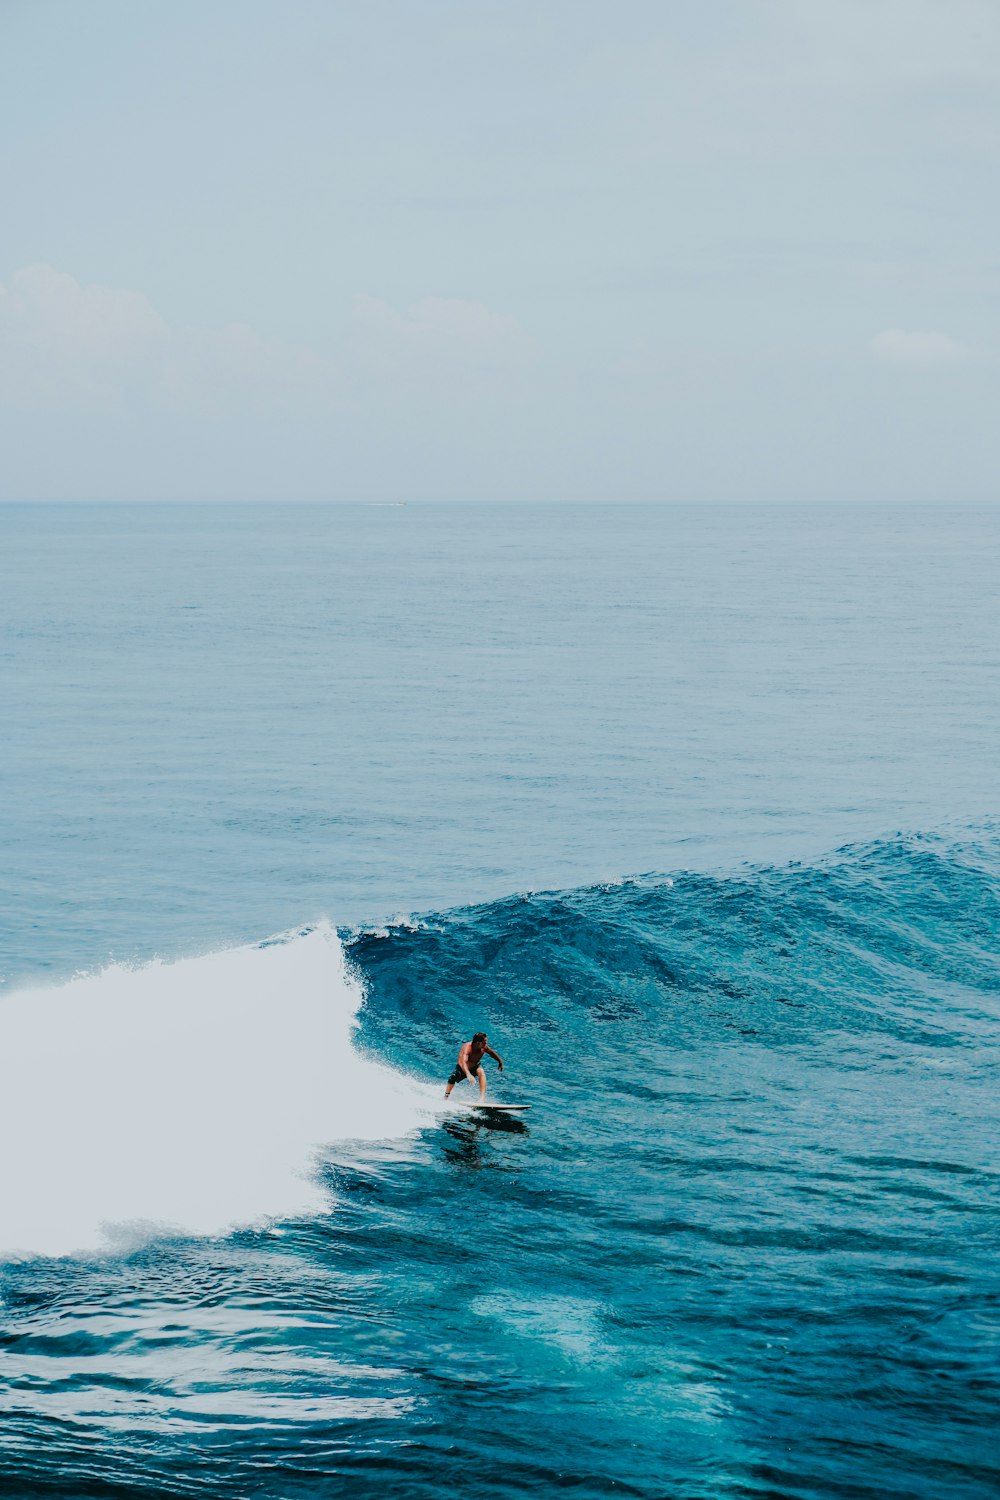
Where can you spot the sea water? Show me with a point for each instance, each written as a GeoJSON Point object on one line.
{"type": "Point", "coordinates": [692, 808]}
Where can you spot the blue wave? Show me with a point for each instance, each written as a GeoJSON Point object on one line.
{"type": "Point", "coordinates": [897, 936]}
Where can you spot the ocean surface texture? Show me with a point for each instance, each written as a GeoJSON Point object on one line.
{"type": "Point", "coordinates": [694, 810]}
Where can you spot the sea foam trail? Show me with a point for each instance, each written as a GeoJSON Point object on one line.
{"type": "Point", "coordinates": [189, 1095]}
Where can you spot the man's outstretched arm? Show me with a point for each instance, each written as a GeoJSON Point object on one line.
{"type": "Point", "coordinates": [499, 1060]}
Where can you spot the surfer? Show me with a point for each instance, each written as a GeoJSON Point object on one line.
{"type": "Point", "coordinates": [470, 1064]}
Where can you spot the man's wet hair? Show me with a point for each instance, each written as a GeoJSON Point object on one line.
{"type": "Point", "coordinates": [480, 1036]}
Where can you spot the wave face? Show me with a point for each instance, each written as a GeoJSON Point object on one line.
{"type": "Point", "coordinates": [744, 1244]}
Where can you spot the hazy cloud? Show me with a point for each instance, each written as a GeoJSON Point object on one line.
{"type": "Point", "coordinates": [918, 350]}
{"type": "Point", "coordinates": [64, 345]}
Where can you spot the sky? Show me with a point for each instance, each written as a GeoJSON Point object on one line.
{"type": "Point", "coordinates": [526, 250]}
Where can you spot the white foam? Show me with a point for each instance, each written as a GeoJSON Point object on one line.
{"type": "Point", "coordinates": [190, 1095]}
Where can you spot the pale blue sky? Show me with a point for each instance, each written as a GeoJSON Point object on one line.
{"type": "Point", "coordinates": [487, 251]}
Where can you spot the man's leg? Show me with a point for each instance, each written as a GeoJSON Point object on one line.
{"type": "Point", "coordinates": [481, 1075]}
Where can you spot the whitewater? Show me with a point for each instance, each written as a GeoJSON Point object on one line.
{"type": "Point", "coordinates": [187, 1097]}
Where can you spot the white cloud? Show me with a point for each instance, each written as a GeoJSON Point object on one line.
{"type": "Point", "coordinates": [68, 346]}
{"type": "Point", "coordinates": [917, 350]}
{"type": "Point", "coordinates": [62, 343]}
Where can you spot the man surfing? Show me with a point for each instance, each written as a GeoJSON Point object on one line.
{"type": "Point", "coordinates": [470, 1064]}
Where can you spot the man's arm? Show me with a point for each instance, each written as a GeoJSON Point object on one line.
{"type": "Point", "coordinates": [463, 1060]}
{"type": "Point", "coordinates": [499, 1060]}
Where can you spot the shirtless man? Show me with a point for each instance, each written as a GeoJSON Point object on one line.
{"type": "Point", "coordinates": [470, 1059]}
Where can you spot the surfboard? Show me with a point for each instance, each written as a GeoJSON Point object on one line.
{"type": "Point", "coordinates": [502, 1109]}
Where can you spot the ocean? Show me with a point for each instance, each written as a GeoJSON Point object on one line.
{"type": "Point", "coordinates": [692, 808]}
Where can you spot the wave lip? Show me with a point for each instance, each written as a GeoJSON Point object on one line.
{"type": "Point", "coordinates": [186, 1097]}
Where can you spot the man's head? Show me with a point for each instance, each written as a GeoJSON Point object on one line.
{"type": "Point", "coordinates": [479, 1040]}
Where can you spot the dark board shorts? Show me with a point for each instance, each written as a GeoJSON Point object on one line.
{"type": "Point", "coordinates": [458, 1075]}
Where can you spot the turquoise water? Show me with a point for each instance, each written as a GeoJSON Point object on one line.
{"type": "Point", "coordinates": [694, 809]}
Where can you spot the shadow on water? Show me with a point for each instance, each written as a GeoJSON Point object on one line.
{"type": "Point", "coordinates": [467, 1150]}
{"type": "Point", "coordinates": [510, 1123]}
